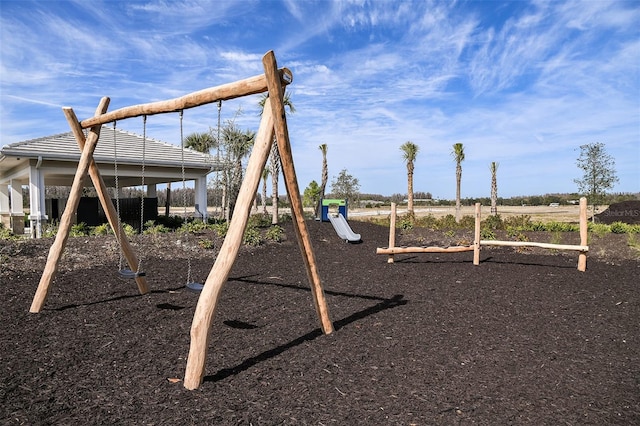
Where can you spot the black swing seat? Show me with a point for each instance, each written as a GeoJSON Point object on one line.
{"type": "Point", "coordinates": [195, 287]}
{"type": "Point", "coordinates": [129, 274]}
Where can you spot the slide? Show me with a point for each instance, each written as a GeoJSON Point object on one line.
{"type": "Point", "coordinates": [343, 229]}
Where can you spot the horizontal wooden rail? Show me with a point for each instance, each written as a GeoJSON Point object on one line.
{"type": "Point", "coordinates": [534, 244]}
{"type": "Point", "coordinates": [248, 86]}
{"type": "Point", "coordinates": [404, 250]}
{"type": "Point", "coordinates": [583, 248]}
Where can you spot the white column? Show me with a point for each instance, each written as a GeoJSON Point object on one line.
{"type": "Point", "coordinates": [17, 212]}
{"type": "Point", "coordinates": [201, 197]}
{"type": "Point", "coordinates": [36, 201]}
{"type": "Point", "coordinates": [152, 191]}
{"type": "Point", "coordinates": [5, 213]}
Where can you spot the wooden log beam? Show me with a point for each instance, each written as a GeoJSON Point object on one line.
{"type": "Point", "coordinates": [405, 250]}
{"type": "Point", "coordinates": [248, 86]}
{"type": "Point", "coordinates": [276, 93]}
{"type": "Point", "coordinates": [107, 204]}
{"type": "Point", "coordinates": [582, 248]}
{"type": "Point", "coordinates": [57, 248]}
{"type": "Point", "coordinates": [206, 307]}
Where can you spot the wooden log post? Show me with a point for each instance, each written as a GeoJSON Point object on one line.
{"type": "Point", "coordinates": [584, 238]}
{"type": "Point", "coordinates": [107, 204]}
{"type": "Point", "coordinates": [206, 307]}
{"type": "Point", "coordinates": [392, 231]}
{"type": "Point", "coordinates": [276, 93]}
{"type": "Point", "coordinates": [476, 235]}
{"type": "Point", "coordinates": [57, 248]}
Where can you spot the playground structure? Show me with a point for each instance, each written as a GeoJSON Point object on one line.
{"type": "Point", "coordinates": [273, 121]}
{"type": "Point", "coordinates": [339, 219]}
{"type": "Point", "coordinates": [582, 248]}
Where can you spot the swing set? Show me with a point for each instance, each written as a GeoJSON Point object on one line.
{"type": "Point", "coordinates": [272, 122]}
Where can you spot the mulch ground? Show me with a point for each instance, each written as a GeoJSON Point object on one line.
{"type": "Point", "coordinates": [523, 338]}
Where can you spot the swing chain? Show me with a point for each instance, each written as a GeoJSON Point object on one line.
{"type": "Point", "coordinates": [184, 197]}
{"type": "Point", "coordinates": [117, 194]}
{"type": "Point", "coordinates": [144, 147]}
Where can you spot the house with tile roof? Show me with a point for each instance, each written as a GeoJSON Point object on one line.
{"type": "Point", "coordinates": [53, 161]}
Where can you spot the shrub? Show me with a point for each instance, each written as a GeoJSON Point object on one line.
{"type": "Point", "coordinates": [406, 223]}
{"type": "Point", "coordinates": [493, 222]}
{"type": "Point", "coordinates": [522, 222]}
{"type": "Point", "coordinates": [260, 220]}
{"type": "Point", "coordinates": [49, 230]}
{"type": "Point", "coordinates": [206, 244]}
{"type": "Point", "coordinates": [619, 228]}
{"type": "Point", "coordinates": [274, 233]}
{"type": "Point", "coordinates": [156, 229]}
{"type": "Point", "coordinates": [467, 222]}
{"type": "Point", "coordinates": [487, 234]}
{"type": "Point", "coordinates": [428, 221]}
{"type": "Point", "coordinates": [447, 222]}
{"type": "Point", "coordinates": [193, 226]}
{"type": "Point", "coordinates": [220, 229]}
{"type": "Point", "coordinates": [598, 228]}
{"type": "Point", "coordinates": [129, 230]}
{"type": "Point", "coordinates": [286, 217]}
{"type": "Point", "coordinates": [7, 234]}
{"type": "Point", "coordinates": [79, 230]}
{"type": "Point", "coordinates": [561, 227]}
{"type": "Point", "coordinates": [252, 237]}
{"type": "Point", "coordinates": [104, 229]}
{"type": "Point", "coordinates": [538, 226]}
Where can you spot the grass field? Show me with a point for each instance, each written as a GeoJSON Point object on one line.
{"type": "Point", "coordinates": [537, 213]}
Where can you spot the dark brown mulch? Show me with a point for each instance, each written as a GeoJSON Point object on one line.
{"type": "Point", "coordinates": [626, 211]}
{"type": "Point", "coordinates": [523, 338]}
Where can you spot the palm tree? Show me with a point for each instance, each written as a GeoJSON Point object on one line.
{"type": "Point", "coordinates": [494, 187]}
{"type": "Point", "coordinates": [239, 145]}
{"type": "Point", "coordinates": [409, 154]}
{"type": "Point", "coordinates": [275, 156]}
{"type": "Point", "coordinates": [265, 175]}
{"type": "Point", "coordinates": [201, 142]}
{"type": "Point", "coordinates": [458, 156]}
{"type": "Point", "coordinates": [325, 177]}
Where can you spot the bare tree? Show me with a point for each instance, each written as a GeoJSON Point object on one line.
{"type": "Point", "coordinates": [599, 173]}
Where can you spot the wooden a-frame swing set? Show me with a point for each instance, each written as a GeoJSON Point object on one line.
{"type": "Point", "coordinates": [273, 121]}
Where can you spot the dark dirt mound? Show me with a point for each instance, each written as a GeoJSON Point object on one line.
{"type": "Point", "coordinates": [523, 338]}
{"type": "Point", "coordinates": [627, 212]}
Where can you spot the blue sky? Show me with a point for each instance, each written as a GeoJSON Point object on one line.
{"type": "Point", "coordinates": [522, 83]}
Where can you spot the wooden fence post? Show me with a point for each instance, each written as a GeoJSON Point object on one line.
{"type": "Point", "coordinates": [582, 257]}
{"type": "Point", "coordinates": [392, 231]}
{"type": "Point", "coordinates": [476, 238]}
